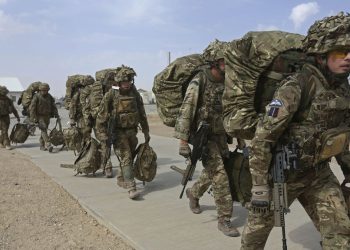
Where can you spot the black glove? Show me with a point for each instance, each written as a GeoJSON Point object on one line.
{"type": "Point", "coordinates": [260, 202]}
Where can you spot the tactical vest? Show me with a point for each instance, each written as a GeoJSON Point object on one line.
{"type": "Point", "coordinates": [125, 110]}
{"type": "Point", "coordinates": [318, 127]}
{"type": "Point", "coordinates": [44, 107]}
{"type": "Point", "coordinates": [210, 103]}
{"type": "Point", "coordinates": [5, 108]}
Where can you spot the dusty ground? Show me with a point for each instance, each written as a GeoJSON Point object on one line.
{"type": "Point", "coordinates": [36, 213]}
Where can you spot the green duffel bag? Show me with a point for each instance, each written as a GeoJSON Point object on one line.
{"type": "Point", "coordinates": [19, 133]}
{"type": "Point", "coordinates": [56, 135]}
{"type": "Point", "coordinates": [89, 158]}
{"type": "Point", "coordinates": [73, 138]}
{"type": "Point", "coordinates": [240, 179]}
{"type": "Point", "coordinates": [145, 166]}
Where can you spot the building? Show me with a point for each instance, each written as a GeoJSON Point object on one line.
{"type": "Point", "coordinates": [147, 96]}
{"type": "Point", "coordinates": [14, 86]}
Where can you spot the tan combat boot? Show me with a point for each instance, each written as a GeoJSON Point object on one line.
{"type": "Point", "coordinates": [108, 172]}
{"type": "Point", "coordinates": [194, 202]}
{"type": "Point", "coordinates": [225, 226]}
{"type": "Point", "coordinates": [8, 147]}
{"type": "Point", "coordinates": [133, 194]}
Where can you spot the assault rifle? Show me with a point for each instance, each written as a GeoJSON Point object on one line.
{"type": "Point", "coordinates": [285, 159]}
{"type": "Point", "coordinates": [199, 151]}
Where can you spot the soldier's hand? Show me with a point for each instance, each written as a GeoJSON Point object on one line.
{"type": "Point", "coordinates": [184, 149]}
{"type": "Point", "coordinates": [147, 137]}
{"type": "Point", "coordinates": [260, 202]}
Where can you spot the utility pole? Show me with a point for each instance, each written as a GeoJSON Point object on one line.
{"type": "Point", "coordinates": [169, 58]}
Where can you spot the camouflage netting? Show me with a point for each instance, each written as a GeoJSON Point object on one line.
{"type": "Point", "coordinates": [327, 34]}
{"type": "Point", "coordinates": [246, 59]}
{"type": "Point", "coordinates": [101, 74]}
{"type": "Point", "coordinates": [170, 85]}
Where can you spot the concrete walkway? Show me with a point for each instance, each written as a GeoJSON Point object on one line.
{"type": "Point", "coordinates": [160, 220]}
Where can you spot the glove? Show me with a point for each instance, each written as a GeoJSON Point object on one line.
{"type": "Point", "coordinates": [72, 122]}
{"type": "Point", "coordinates": [147, 137]}
{"type": "Point", "coordinates": [184, 149]}
{"type": "Point", "coordinates": [260, 202]}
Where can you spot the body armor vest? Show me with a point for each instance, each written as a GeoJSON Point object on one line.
{"type": "Point", "coordinates": [126, 111]}
{"type": "Point", "coordinates": [319, 128]}
{"type": "Point", "coordinates": [5, 108]}
{"type": "Point", "coordinates": [44, 105]}
{"type": "Point", "coordinates": [211, 106]}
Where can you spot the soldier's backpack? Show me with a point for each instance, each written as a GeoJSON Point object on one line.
{"type": "Point", "coordinates": [89, 158]}
{"type": "Point", "coordinates": [145, 165]}
{"type": "Point", "coordinates": [72, 138]}
{"type": "Point", "coordinates": [27, 95]}
{"type": "Point", "coordinates": [19, 133]}
{"type": "Point", "coordinates": [170, 86]}
{"type": "Point", "coordinates": [56, 135]}
{"type": "Point", "coordinates": [254, 68]}
{"type": "Point", "coordinates": [71, 85]}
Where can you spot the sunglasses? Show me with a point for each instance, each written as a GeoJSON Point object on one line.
{"type": "Point", "coordinates": [339, 54]}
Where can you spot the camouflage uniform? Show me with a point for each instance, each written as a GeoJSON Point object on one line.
{"type": "Point", "coordinates": [41, 109]}
{"type": "Point", "coordinates": [307, 106]}
{"type": "Point", "coordinates": [209, 108]}
{"type": "Point", "coordinates": [126, 111]}
{"type": "Point", "coordinates": [6, 108]}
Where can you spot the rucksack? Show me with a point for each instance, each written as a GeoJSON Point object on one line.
{"type": "Point", "coordinates": [28, 94]}
{"type": "Point", "coordinates": [170, 86]}
{"type": "Point", "coordinates": [254, 68]}
{"type": "Point", "coordinates": [56, 135]}
{"type": "Point", "coordinates": [89, 158]}
{"type": "Point", "coordinates": [73, 138]}
{"type": "Point", "coordinates": [240, 179]}
{"type": "Point", "coordinates": [145, 166]}
{"type": "Point", "coordinates": [71, 85]}
{"type": "Point", "coordinates": [19, 133]}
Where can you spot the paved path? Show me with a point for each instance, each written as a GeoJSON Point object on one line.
{"type": "Point", "coordinates": [160, 220]}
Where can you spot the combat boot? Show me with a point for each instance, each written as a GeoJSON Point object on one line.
{"type": "Point", "coordinates": [225, 226]}
{"type": "Point", "coordinates": [133, 194]}
{"type": "Point", "coordinates": [42, 148]}
{"type": "Point", "coordinates": [194, 202]}
{"type": "Point", "coordinates": [8, 147]}
{"type": "Point", "coordinates": [120, 181]}
{"type": "Point", "coordinates": [2, 145]}
{"type": "Point", "coordinates": [108, 172]}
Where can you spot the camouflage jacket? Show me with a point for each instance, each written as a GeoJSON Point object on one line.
{"type": "Point", "coordinates": [75, 107]}
{"type": "Point", "coordinates": [303, 110]}
{"type": "Point", "coordinates": [202, 102]}
{"type": "Point", "coordinates": [7, 107]}
{"type": "Point", "coordinates": [42, 106]}
{"type": "Point", "coordinates": [121, 107]}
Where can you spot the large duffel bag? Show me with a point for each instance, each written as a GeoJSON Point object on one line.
{"type": "Point", "coordinates": [19, 133]}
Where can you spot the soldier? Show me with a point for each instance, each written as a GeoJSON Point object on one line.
{"type": "Point", "coordinates": [76, 108]}
{"type": "Point", "coordinates": [90, 99]}
{"type": "Point", "coordinates": [203, 103]}
{"type": "Point", "coordinates": [6, 108]}
{"type": "Point", "coordinates": [41, 109]}
{"type": "Point", "coordinates": [310, 109]}
{"type": "Point", "coordinates": [120, 113]}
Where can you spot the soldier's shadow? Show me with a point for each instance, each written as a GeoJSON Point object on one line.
{"type": "Point", "coordinates": [307, 236]}
{"type": "Point", "coordinates": [27, 145]}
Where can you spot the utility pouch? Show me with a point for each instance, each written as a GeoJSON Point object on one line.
{"type": "Point", "coordinates": [332, 142]}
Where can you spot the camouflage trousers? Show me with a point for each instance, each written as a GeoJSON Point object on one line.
{"type": "Point", "coordinates": [44, 122]}
{"type": "Point", "coordinates": [124, 148]}
{"type": "Point", "coordinates": [320, 195]}
{"type": "Point", "coordinates": [4, 127]}
{"type": "Point", "coordinates": [215, 175]}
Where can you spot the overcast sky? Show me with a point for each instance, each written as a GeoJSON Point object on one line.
{"type": "Point", "coordinates": [47, 40]}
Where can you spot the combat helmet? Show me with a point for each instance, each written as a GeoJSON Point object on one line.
{"type": "Point", "coordinates": [125, 74]}
{"type": "Point", "coordinates": [214, 51]}
{"type": "Point", "coordinates": [44, 86]}
{"type": "Point", "coordinates": [3, 90]}
{"type": "Point", "coordinates": [328, 34]}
